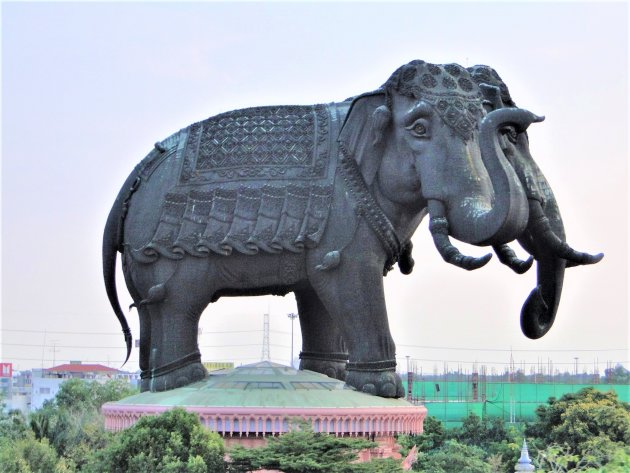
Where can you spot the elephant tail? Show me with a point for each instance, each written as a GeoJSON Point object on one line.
{"type": "Point", "coordinates": [112, 244]}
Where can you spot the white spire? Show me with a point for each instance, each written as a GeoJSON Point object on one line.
{"type": "Point", "coordinates": [524, 463]}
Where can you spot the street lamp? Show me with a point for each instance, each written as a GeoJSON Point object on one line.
{"type": "Point", "coordinates": [292, 316]}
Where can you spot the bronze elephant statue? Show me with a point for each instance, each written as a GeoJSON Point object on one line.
{"type": "Point", "coordinates": [322, 201]}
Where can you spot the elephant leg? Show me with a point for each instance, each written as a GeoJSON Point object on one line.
{"type": "Point", "coordinates": [145, 348]}
{"type": "Point", "coordinates": [353, 295]}
{"type": "Point", "coordinates": [323, 349]}
{"type": "Point", "coordinates": [175, 359]}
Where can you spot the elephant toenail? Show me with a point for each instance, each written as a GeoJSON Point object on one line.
{"type": "Point", "coordinates": [388, 390]}
{"type": "Point", "coordinates": [369, 388]}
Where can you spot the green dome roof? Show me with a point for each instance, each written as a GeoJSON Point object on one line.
{"type": "Point", "coordinates": [264, 384]}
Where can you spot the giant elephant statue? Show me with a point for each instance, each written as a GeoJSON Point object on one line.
{"type": "Point", "coordinates": [322, 201]}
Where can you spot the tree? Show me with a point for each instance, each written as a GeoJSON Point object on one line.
{"type": "Point", "coordinates": [617, 375]}
{"type": "Point", "coordinates": [72, 422]}
{"type": "Point", "coordinates": [174, 441]}
{"type": "Point", "coordinates": [453, 457]}
{"type": "Point", "coordinates": [586, 424]}
{"type": "Point", "coordinates": [473, 431]}
{"type": "Point", "coordinates": [305, 451]}
{"type": "Point", "coordinates": [432, 437]}
{"type": "Point", "coordinates": [13, 425]}
{"type": "Point", "coordinates": [77, 394]}
{"type": "Point", "coordinates": [29, 455]}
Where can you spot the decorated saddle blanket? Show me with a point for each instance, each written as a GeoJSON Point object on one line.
{"type": "Point", "coordinates": [257, 179]}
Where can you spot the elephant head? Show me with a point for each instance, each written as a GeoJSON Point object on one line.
{"type": "Point", "coordinates": [544, 236]}
{"type": "Point", "coordinates": [451, 141]}
{"type": "Point", "coordinates": [424, 141]}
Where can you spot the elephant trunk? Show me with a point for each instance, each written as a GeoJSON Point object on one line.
{"type": "Point", "coordinates": [508, 215]}
{"type": "Point", "coordinates": [544, 238]}
{"type": "Point", "coordinates": [539, 310]}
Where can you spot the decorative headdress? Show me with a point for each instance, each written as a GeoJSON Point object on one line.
{"type": "Point", "coordinates": [487, 75]}
{"type": "Point", "coordinates": [450, 88]}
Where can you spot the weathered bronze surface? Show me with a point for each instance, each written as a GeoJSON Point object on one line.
{"type": "Point", "coordinates": [322, 201]}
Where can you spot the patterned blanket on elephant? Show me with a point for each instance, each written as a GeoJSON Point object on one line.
{"type": "Point", "coordinates": [251, 180]}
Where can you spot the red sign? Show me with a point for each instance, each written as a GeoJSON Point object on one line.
{"type": "Point", "coordinates": [6, 370]}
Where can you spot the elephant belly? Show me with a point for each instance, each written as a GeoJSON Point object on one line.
{"type": "Point", "coordinates": [259, 274]}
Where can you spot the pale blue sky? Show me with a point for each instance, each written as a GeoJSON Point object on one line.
{"type": "Point", "coordinates": [87, 88]}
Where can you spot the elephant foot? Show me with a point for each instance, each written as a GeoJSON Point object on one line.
{"type": "Point", "coordinates": [332, 365]}
{"type": "Point", "coordinates": [173, 375]}
{"type": "Point", "coordinates": [383, 382]}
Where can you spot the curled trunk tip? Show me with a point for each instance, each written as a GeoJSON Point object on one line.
{"type": "Point", "coordinates": [536, 318]}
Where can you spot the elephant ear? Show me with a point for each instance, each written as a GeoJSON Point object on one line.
{"type": "Point", "coordinates": [359, 134]}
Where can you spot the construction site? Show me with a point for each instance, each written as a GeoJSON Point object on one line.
{"type": "Point", "coordinates": [512, 395]}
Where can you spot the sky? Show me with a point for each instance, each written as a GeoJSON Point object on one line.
{"type": "Point", "coordinates": [87, 88]}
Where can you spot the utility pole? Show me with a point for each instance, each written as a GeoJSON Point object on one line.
{"type": "Point", "coordinates": [265, 349]}
{"type": "Point", "coordinates": [54, 350]}
{"type": "Point", "coordinates": [409, 379]}
{"type": "Point", "coordinates": [292, 316]}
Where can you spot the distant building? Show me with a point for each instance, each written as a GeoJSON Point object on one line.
{"type": "Point", "coordinates": [6, 380]}
{"type": "Point", "coordinates": [44, 389]}
{"type": "Point", "coordinates": [28, 390]}
{"type": "Point", "coordinates": [77, 369]}
{"type": "Point", "coordinates": [218, 365]}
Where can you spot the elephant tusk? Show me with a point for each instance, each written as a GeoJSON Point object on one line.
{"type": "Point", "coordinates": [438, 226]}
{"type": "Point", "coordinates": [508, 257]}
{"type": "Point", "coordinates": [541, 228]}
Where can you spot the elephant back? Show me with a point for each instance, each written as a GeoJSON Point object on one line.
{"type": "Point", "coordinates": [250, 180]}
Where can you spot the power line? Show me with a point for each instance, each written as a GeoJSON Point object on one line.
{"type": "Point", "coordinates": [115, 333]}
{"type": "Point", "coordinates": [428, 347]}
{"type": "Point", "coordinates": [493, 362]}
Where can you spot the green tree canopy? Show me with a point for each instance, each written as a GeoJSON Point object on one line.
{"type": "Point", "coordinates": [173, 442]}
{"type": "Point", "coordinates": [29, 455]}
{"type": "Point", "coordinates": [589, 425]}
{"type": "Point", "coordinates": [433, 436]}
{"type": "Point", "coordinates": [453, 457]}
{"type": "Point", "coordinates": [77, 394]}
{"type": "Point", "coordinates": [305, 451]}
{"type": "Point", "coordinates": [617, 375]}
{"type": "Point", "coordinates": [72, 422]}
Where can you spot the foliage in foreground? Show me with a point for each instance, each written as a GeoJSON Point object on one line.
{"type": "Point", "coordinates": [72, 423]}
{"type": "Point", "coordinates": [304, 451]}
{"type": "Point", "coordinates": [478, 445]}
{"type": "Point", "coordinates": [559, 459]}
{"type": "Point", "coordinates": [589, 427]}
{"type": "Point", "coordinates": [61, 435]}
{"type": "Point", "coordinates": [172, 442]}
{"type": "Point", "coordinates": [587, 431]}
{"type": "Point", "coordinates": [26, 454]}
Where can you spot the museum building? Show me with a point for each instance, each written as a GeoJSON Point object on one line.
{"type": "Point", "coordinates": [247, 404]}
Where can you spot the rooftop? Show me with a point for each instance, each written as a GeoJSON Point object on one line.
{"type": "Point", "coordinates": [82, 368]}
{"type": "Point", "coordinates": [264, 384]}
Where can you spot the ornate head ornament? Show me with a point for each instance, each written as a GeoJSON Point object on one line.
{"type": "Point", "coordinates": [487, 75]}
{"type": "Point", "coordinates": [449, 88]}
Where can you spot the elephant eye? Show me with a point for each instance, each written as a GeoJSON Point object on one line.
{"type": "Point", "coordinates": [418, 128]}
{"type": "Point", "coordinates": [511, 133]}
